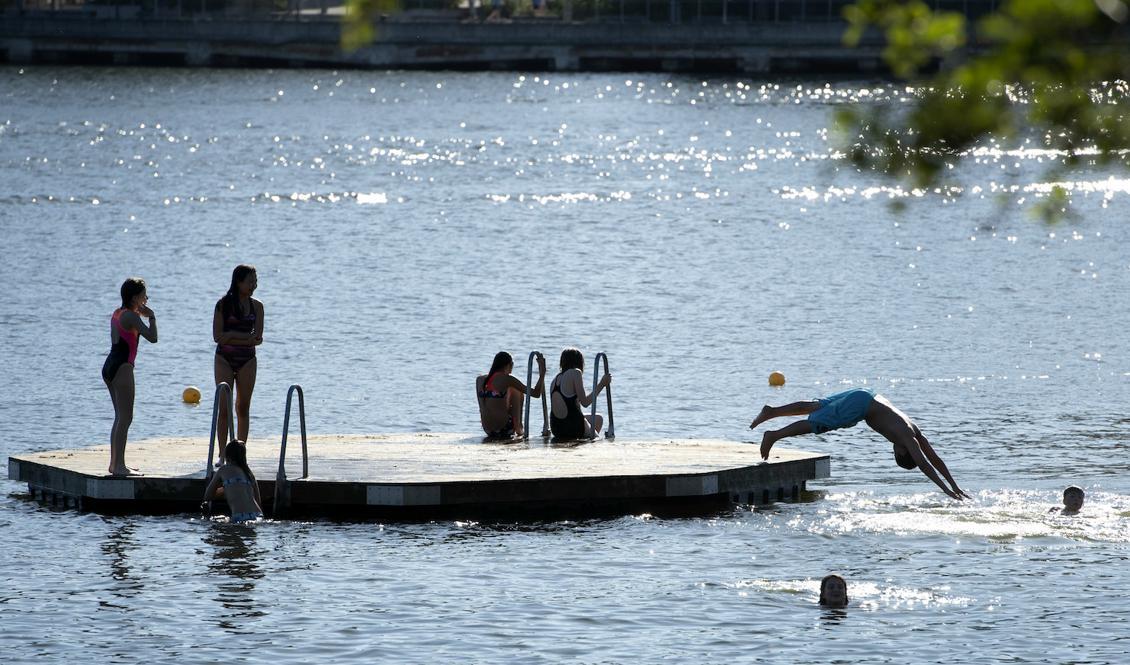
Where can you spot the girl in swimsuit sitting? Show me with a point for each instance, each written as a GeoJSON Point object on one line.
{"type": "Point", "coordinates": [126, 327]}
{"type": "Point", "coordinates": [567, 395]}
{"type": "Point", "coordinates": [501, 397]}
{"type": "Point", "coordinates": [237, 328]}
{"type": "Point", "coordinates": [241, 491]}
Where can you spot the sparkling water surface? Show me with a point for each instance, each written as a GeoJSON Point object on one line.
{"type": "Point", "coordinates": [406, 226]}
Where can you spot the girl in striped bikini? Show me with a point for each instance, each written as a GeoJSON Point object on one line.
{"type": "Point", "coordinates": [241, 490]}
{"type": "Point", "coordinates": [501, 396]}
{"type": "Point", "coordinates": [237, 328]}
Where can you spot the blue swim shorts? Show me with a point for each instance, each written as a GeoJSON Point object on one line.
{"type": "Point", "coordinates": [841, 410]}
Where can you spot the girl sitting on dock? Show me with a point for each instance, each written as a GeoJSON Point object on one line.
{"type": "Point", "coordinates": [126, 327]}
{"type": "Point", "coordinates": [500, 397]}
{"type": "Point", "coordinates": [567, 395]}
{"type": "Point", "coordinates": [241, 490]}
{"type": "Point", "coordinates": [237, 328]}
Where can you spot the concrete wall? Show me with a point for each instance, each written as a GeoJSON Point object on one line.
{"type": "Point", "coordinates": [535, 45]}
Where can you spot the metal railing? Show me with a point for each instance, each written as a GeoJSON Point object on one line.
{"type": "Point", "coordinates": [221, 390]}
{"type": "Point", "coordinates": [282, 485]}
{"type": "Point", "coordinates": [609, 433]}
{"type": "Point", "coordinates": [544, 406]}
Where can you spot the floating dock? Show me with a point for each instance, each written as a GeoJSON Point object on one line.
{"type": "Point", "coordinates": [434, 476]}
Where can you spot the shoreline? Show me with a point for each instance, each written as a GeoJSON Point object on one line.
{"type": "Point", "coordinates": [400, 42]}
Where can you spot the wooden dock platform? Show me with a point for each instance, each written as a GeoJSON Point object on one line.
{"type": "Point", "coordinates": [434, 476]}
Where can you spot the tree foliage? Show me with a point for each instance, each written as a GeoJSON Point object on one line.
{"type": "Point", "coordinates": [360, 16]}
{"type": "Point", "coordinates": [1051, 69]}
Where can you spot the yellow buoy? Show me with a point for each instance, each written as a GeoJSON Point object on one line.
{"type": "Point", "coordinates": [776, 379]}
{"type": "Point", "coordinates": [191, 395]}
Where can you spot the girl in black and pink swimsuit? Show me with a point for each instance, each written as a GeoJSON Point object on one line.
{"type": "Point", "coordinates": [126, 330]}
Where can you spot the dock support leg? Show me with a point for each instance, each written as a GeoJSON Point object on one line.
{"type": "Point", "coordinates": [565, 61]}
{"type": "Point", "coordinates": [198, 54]}
{"type": "Point", "coordinates": [755, 63]}
{"type": "Point", "coordinates": [20, 51]}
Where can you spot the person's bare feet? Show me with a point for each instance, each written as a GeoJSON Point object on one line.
{"type": "Point", "coordinates": [767, 442]}
{"type": "Point", "coordinates": [761, 417]}
{"type": "Point", "coordinates": [124, 471]}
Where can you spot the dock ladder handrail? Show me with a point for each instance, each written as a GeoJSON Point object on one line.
{"type": "Point", "coordinates": [280, 477]}
{"type": "Point", "coordinates": [529, 389]}
{"type": "Point", "coordinates": [609, 433]}
{"type": "Point", "coordinates": [221, 390]}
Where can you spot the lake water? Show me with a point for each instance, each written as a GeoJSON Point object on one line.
{"type": "Point", "coordinates": [406, 226]}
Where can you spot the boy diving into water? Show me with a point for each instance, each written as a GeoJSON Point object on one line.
{"type": "Point", "coordinates": [846, 409]}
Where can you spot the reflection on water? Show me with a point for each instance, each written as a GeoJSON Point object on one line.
{"type": "Point", "coordinates": [118, 548]}
{"type": "Point", "coordinates": [832, 617]}
{"type": "Point", "coordinates": [234, 569]}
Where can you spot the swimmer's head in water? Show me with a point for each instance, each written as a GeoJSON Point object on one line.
{"type": "Point", "coordinates": [903, 458]}
{"type": "Point", "coordinates": [132, 289]}
{"type": "Point", "coordinates": [572, 358]}
{"type": "Point", "coordinates": [503, 362]}
{"type": "Point", "coordinates": [1073, 498]}
{"type": "Point", "coordinates": [833, 591]}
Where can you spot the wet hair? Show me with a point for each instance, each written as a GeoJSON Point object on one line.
{"type": "Point", "coordinates": [131, 288]}
{"type": "Point", "coordinates": [1078, 491]}
{"type": "Point", "coordinates": [501, 360]}
{"type": "Point", "coordinates": [236, 453]}
{"type": "Point", "coordinates": [572, 358]}
{"type": "Point", "coordinates": [230, 300]}
{"type": "Point", "coordinates": [904, 459]}
{"type": "Point", "coordinates": [824, 587]}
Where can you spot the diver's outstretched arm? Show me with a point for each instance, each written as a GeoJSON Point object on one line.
{"type": "Point", "coordinates": [936, 461]}
{"type": "Point", "coordinates": [912, 446]}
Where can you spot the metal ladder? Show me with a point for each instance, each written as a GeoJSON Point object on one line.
{"type": "Point", "coordinates": [609, 433]}
{"type": "Point", "coordinates": [544, 407]}
{"type": "Point", "coordinates": [282, 485]}
{"type": "Point", "coordinates": [222, 389]}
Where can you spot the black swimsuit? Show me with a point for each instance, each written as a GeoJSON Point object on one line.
{"type": "Point", "coordinates": [119, 355]}
{"type": "Point", "coordinates": [572, 426]}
